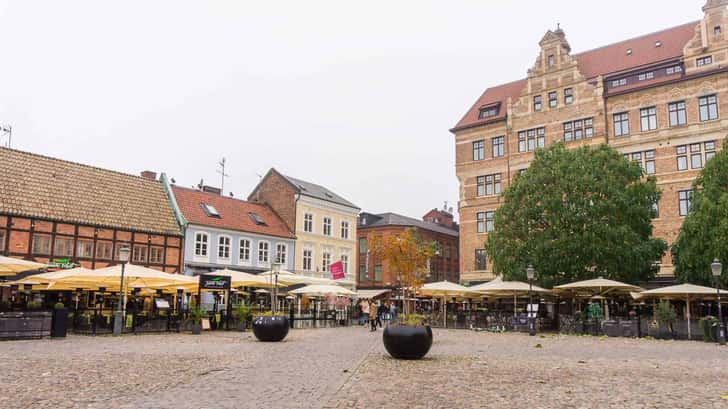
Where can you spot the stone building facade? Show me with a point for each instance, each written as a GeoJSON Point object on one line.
{"type": "Point", "coordinates": [659, 99]}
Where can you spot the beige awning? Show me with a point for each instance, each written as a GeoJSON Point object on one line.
{"type": "Point", "coordinates": [498, 287]}
{"type": "Point", "coordinates": [680, 291]}
{"type": "Point", "coordinates": [369, 294]}
{"type": "Point", "coordinates": [286, 278]}
{"type": "Point", "coordinates": [10, 266]}
{"type": "Point", "coordinates": [446, 289]}
{"type": "Point", "coordinates": [322, 290]}
{"type": "Point", "coordinates": [597, 286]}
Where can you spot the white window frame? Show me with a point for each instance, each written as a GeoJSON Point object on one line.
{"type": "Point", "coordinates": [204, 250]}
{"type": "Point", "coordinates": [325, 266]}
{"type": "Point", "coordinates": [345, 264]}
{"type": "Point", "coordinates": [220, 246]}
{"type": "Point", "coordinates": [345, 229]}
{"type": "Point", "coordinates": [310, 259]}
{"type": "Point", "coordinates": [241, 260]}
{"type": "Point", "coordinates": [329, 225]}
{"type": "Point", "coordinates": [265, 262]}
{"type": "Point", "coordinates": [309, 223]}
{"type": "Point", "coordinates": [282, 260]}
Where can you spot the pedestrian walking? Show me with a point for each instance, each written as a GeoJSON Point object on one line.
{"type": "Point", "coordinates": [364, 312]}
{"type": "Point", "coordinates": [393, 312]}
{"type": "Point", "coordinates": [381, 310]}
{"type": "Point", "coordinates": [373, 316]}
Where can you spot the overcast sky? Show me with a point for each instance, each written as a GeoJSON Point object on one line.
{"type": "Point", "coordinates": [357, 96]}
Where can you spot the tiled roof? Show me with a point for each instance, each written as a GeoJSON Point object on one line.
{"type": "Point", "coordinates": [39, 186]}
{"type": "Point", "coordinates": [603, 61]}
{"type": "Point", "coordinates": [394, 219]}
{"type": "Point", "coordinates": [234, 213]}
{"type": "Point", "coordinates": [319, 192]}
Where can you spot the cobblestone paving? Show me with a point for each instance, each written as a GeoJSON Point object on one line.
{"type": "Point", "coordinates": [349, 368]}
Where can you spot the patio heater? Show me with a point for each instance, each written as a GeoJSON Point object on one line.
{"type": "Point", "coordinates": [119, 316]}
{"type": "Point", "coordinates": [530, 274]}
{"type": "Point", "coordinates": [717, 268]}
{"type": "Point", "coordinates": [274, 294]}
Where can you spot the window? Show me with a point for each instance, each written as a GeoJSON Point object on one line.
{"type": "Point", "coordinates": [553, 99]}
{"type": "Point", "coordinates": [648, 119]}
{"type": "Point", "coordinates": [480, 222]}
{"type": "Point", "coordinates": [326, 260]}
{"type": "Point", "coordinates": [156, 255]}
{"type": "Point", "coordinates": [480, 184]}
{"type": "Point", "coordinates": [704, 61]}
{"type": "Point", "coordinates": [84, 248]}
{"type": "Point", "coordinates": [244, 251]}
{"type": "Point", "coordinates": [201, 244]}
{"type": "Point", "coordinates": [210, 210]}
{"type": "Point", "coordinates": [619, 83]}
{"type": "Point", "coordinates": [479, 150]}
{"type": "Point", "coordinates": [677, 114]}
{"type": "Point", "coordinates": [552, 60]}
{"type": "Point", "coordinates": [492, 184]}
{"type": "Point", "coordinates": [345, 263]}
{"type": "Point", "coordinates": [308, 223]}
{"type": "Point", "coordinates": [2, 241]}
{"type": "Point", "coordinates": [685, 198]}
{"type": "Point", "coordinates": [682, 158]}
{"type": "Point", "coordinates": [673, 70]}
{"type": "Point", "coordinates": [63, 247]}
{"type": "Point", "coordinates": [256, 219]}
{"type": "Point", "coordinates": [716, 30]}
{"type": "Point", "coordinates": [646, 76]}
{"type": "Point", "coordinates": [307, 259]}
{"type": "Point", "coordinates": [327, 226]}
{"type": "Point", "coordinates": [528, 140]}
{"type": "Point", "coordinates": [223, 247]}
{"type": "Point", "coordinates": [621, 124]}
{"type": "Point", "coordinates": [344, 230]}
{"type": "Point", "coordinates": [708, 107]}
{"type": "Point", "coordinates": [568, 96]}
{"type": "Point", "coordinates": [362, 245]}
{"type": "Point", "coordinates": [480, 261]}
{"type": "Point", "coordinates": [484, 221]}
{"type": "Point", "coordinates": [263, 250]}
{"type": "Point", "coordinates": [488, 112]}
{"type": "Point", "coordinates": [499, 146]}
{"type": "Point", "coordinates": [579, 129]}
{"type": "Point", "coordinates": [656, 208]}
{"type": "Point", "coordinates": [41, 244]}
{"type": "Point", "coordinates": [696, 157]}
{"type": "Point", "coordinates": [281, 250]}
{"type": "Point", "coordinates": [537, 103]}
{"type": "Point", "coordinates": [709, 150]}
{"type": "Point", "coordinates": [489, 221]}
{"type": "Point", "coordinates": [378, 273]}
{"type": "Point", "coordinates": [103, 250]}
{"type": "Point", "coordinates": [139, 255]}
{"type": "Point", "coordinates": [645, 159]}
{"type": "Point", "coordinates": [362, 272]}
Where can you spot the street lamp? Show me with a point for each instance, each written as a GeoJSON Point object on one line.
{"type": "Point", "coordinates": [274, 300]}
{"type": "Point", "coordinates": [531, 274]}
{"type": "Point", "coordinates": [119, 316]}
{"type": "Point", "coordinates": [717, 270]}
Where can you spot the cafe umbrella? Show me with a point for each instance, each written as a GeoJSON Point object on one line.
{"type": "Point", "coordinates": [10, 266]}
{"type": "Point", "coordinates": [597, 286]}
{"type": "Point", "coordinates": [506, 289]}
{"type": "Point", "coordinates": [445, 289]}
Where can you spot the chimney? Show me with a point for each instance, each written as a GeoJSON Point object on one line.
{"type": "Point", "coordinates": [148, 174]}
{"type": "Point", "coordinates": [210, 189]}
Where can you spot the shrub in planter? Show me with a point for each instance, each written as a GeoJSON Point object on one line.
{"type": "Point", "coordinates": [270, 327]}
{"type": "Point", "coordinates": [410, 339]}
{"type": "Point", "coordinates": [709, 327]}
{"type": "Point", "coordinates": [59, 321]}
{"type": "Point", "coordinates": [242, 316]}
{"type": "Point", "coordinates": [196, 317]}
{"type": "Point", "coordinates": [666, 318]}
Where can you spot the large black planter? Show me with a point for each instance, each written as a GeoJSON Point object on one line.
{"type": "Point", "coordinates": [407, 341]}
{"type": "Point", "coordinates": [196, 328]}
{"type": "Point", "coordinates": [270, 329]}
{"type": "Point", "coordinates": [59, 323]}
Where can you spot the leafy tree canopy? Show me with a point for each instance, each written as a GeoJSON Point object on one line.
{"type": "Point", "coordinates": [704, 234]}
{"type": "Point", "coordinates": [577, 214]}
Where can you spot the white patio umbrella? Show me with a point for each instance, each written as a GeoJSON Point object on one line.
{"type": "Point", "coordinates": [322, 290]}
{"type": "Point", "coordinates": [446, 289]}
{"type": "Point", "coordinates": [286, 278]}
{"type": "Point", "coordinates": [681, 291]}
{"type": "Point", "coordinates": [10, 266]}
{"type": "Point", "coordinates": [500, 288]}
{"type": "Point", "coordinates": [597, 286]}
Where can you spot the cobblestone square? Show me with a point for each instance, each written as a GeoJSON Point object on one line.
{"type": "Point", "coordinates": [349, 368]}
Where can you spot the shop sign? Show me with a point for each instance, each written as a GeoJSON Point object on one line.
{"type": "Point", "coordinates": [63, 263]}
{"type": "Point", "coordinates": [214, 282]}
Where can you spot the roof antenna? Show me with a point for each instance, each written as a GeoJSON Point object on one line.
{"type": "Point", "coordinates": [7, 130]}
{"type": "Point", "coordinates": [222, 173]}
{"type": "Point", "coordinates": [558, 25]}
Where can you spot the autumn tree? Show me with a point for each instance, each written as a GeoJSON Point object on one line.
{"type": "Point", "coordinates": [704, 233]}
{"type": "Point", "coordinates": [406, 254]}
{"type": "Point", "coordinates": [577, 214]}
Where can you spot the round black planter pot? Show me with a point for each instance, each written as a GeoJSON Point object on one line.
{"type": "Point", "coordinates": [59, 323]}
{"type": "Point", "coordinates": [270, 329]}
{"type": "Point", "coordinates": [406, 341]}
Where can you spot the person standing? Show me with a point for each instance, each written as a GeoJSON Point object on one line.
{"type": "Point", "coordinates": [373, 316]}
{"type": "Point", "coordinates": [381, 310]}
{"type": "Point", "coordinates": [364, 312]}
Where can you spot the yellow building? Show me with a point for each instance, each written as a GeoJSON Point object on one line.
{"type": "Point", "coordinates": [324, 223]}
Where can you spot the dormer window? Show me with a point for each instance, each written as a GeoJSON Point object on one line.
{"type": "Point", "coordinates": [646, 76]}
{"type": "Point", "coordinates": [658, 44]}
{"type": "Point", "coordinates": [256, 219]}
{"type": "Point", "coordinates": [488, 112]}
{"type": "Point", "coordinates": [210, 210]}
{"type": "Point", "coordinates": [704, 61]}
{"type": "Point", "coordinates": [619, 83]}
{"type": "Point", "coordinates": [629, 51]}
{"type": "Point", "coordinates": [552, 60]}
{"type": "Point", "coordinates": [673, 70]}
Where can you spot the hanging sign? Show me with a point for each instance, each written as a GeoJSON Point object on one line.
{"type": "Point", "coordinates": [214, 282]}
{"type": "Point", "coordinates": [337, 270]}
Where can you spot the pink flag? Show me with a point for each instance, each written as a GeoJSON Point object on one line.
{"type": "Point", "coordinates": [337, 270]}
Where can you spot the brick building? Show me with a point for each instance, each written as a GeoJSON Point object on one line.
{"type": "Point", "coordinates": [659, 99]}
{"type": "Point", "coordinates": [54, 211]}
{"type": "Point", "coordinates": [437, 225]}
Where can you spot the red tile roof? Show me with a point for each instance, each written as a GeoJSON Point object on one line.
{"type": "Point", "coordinates": [603, 61]}
{"type": "Point", "coordinates": [234, 213]}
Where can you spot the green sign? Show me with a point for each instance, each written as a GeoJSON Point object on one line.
{"type": "Point", "coordinates": [63, 263]}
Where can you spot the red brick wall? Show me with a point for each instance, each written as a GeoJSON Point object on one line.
{"type": "Point", "coordinates": [276, 192]}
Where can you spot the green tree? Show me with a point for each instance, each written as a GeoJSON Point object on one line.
{"type": "Point", "coordinates": [577, 214]}
{"type": "Point", "coordinates": [704, 234]}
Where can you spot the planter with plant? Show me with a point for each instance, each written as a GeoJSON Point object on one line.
{"type": "Point", "coordinates": [407, 254]}
{"type": "Point", "coordinates": [59, 321]}
{"type": "Point", "coordinates": [595, 316]}
{"type": "Point", "coordinates": [709, 328]}
{"type": "Point", "coordinates": [270, 326]}
{"type": "Point", "coordinates": [242, 316]}
{"type": "Point", "coordinates": [196, 318]}
{"type": "Point", "coordinates": [666, 318]}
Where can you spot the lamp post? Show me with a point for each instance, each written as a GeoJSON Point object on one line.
{"type": "Point", "coordinates": [717, 270]}
{"type": "Point", "coordinates": [531, 274]}
{"type": "Point", "coordinates": [119, 316]}
{"type": "Point", "coordinates": [274, 301]}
